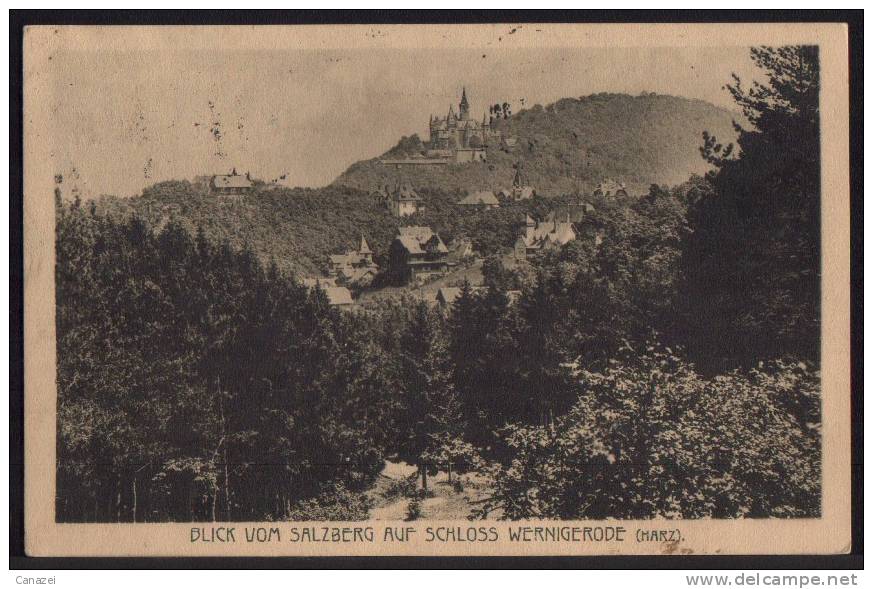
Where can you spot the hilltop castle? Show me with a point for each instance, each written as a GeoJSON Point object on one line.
{"type": "Point", "coordinates": [460, 132]}
{"type": "Point", "coordinates": [454, 138]}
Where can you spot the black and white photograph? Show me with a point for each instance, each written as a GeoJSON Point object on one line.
{"type": "Point", "coordinates": [477, 282]}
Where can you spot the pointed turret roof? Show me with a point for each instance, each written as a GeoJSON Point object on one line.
{"type": "Point", "coordinates": [451, 116]}
{"type": "Point", "coordinates": [516, 182]}
{"type": "Point", "coordinates": [365, 248]}
{"type": "Point", "coordinates": [464, 102]}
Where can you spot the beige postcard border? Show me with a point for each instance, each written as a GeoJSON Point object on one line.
{"type": "Point", "coordinates": [44, 537]}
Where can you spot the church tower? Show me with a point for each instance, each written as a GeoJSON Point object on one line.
{"type": "Point", "coordinates": [364, 250]}
{"type": "Point", "coordinates": [464, 107]}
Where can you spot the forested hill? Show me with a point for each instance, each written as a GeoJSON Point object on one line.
{"type": "Point", "coordinates": [573, 144]}
{"type": "Point", "coordinates": [297, 228]}
{"type": "Point", "coordinates": [565, 148]}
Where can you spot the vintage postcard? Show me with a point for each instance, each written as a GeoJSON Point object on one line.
{"type": "Point", "coordinates": [436, 290]}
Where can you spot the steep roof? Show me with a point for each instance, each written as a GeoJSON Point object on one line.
{"type": "Point", "coordinates": [414, 239]}
{"type": "Point", "coordinates": [365, 247]}
{"type": "Point", "coordinates": [525, 192]}
{"type": "Point", "coordinates": [484, 197]}
{"type": "Point", "coordinates": [353, 275]}
{"type": "Point", "coordinates": [609, 187]}
{"type": "Point", "coordinates": [448, 294]}
{"type": "Point", "coordinates": [338, 295]}
{"type": "Point", "coordinates": [550, 232]}
{"type": "Point", "coordinates": [404, 192]}
{"type": "Point", "coordinates": [231, 181]}
{"type": "Point", "coordinates": [417, 231]}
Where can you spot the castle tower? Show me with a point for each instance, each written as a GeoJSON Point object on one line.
{"type": "Point", "coordinates": [464, 107]}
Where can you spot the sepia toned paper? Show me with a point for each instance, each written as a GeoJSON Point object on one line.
{"type": "Point", "coordinates": [81, 85]}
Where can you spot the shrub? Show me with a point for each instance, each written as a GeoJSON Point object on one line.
{"type": "Point", "coordinates": [337, 505]}
{"type": "Point", "coordinates": [404, 487]}
{"type": "Point", "coordinates": [649, 437]}
{"type": "Point", "coordinates": [413, 510]}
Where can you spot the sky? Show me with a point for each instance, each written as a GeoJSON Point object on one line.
{"type": "Point", "coordinates": [127, 115]}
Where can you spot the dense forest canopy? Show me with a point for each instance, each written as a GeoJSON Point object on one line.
{"type": "Point", "coordinates": [668, 368]}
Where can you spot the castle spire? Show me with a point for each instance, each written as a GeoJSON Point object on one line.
{"type": "Point", "coordinates": [464, 107]}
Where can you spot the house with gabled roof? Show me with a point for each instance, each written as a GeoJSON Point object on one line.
{"type": "Point", "coordinates": [610, 187]}
{"type": "Point", "coordinates": [539, 236]}
{"type": "Point", "coordinates": [483, 199]}
{"type": "Point", "coordinates": [403, 200]}
{"type": "Point", "coordinates": [354, 268]}
{"type": "Point", "coordinates": [232, 184]}
{"type": "Point", "coordinates": [339, 296]}
{"type": "Point", "coordinates": [416, 253]}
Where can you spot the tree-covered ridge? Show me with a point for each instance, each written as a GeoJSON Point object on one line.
{"type": "Point", "coordinates": [571, 145]}
{"type": "Point", "coordinates": [299, 228]}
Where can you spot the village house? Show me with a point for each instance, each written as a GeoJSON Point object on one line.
{"type": "Point", "coordinates": [337, 296]}
{"type": "Point", "coordinates": [231, 185]}
{"type": "Point", "coordinates": [416, 253]}
{"type": "Point", "coordinates": [354, 268]}
{"type": "Point", "coordinates": [402, 199]}
{"type": "Point", "coordinates": [447, 295]}
{"type": "Point", "coordinates": [460, 251]}
{"type": "Point", "coordinates": [610, 187]}
{"type": "Point", "coordinates": [519, 190]}
{"type": "Point", "coordinates": [537, 236]}
{"type": "Point", "coordinates": [482, 200]}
